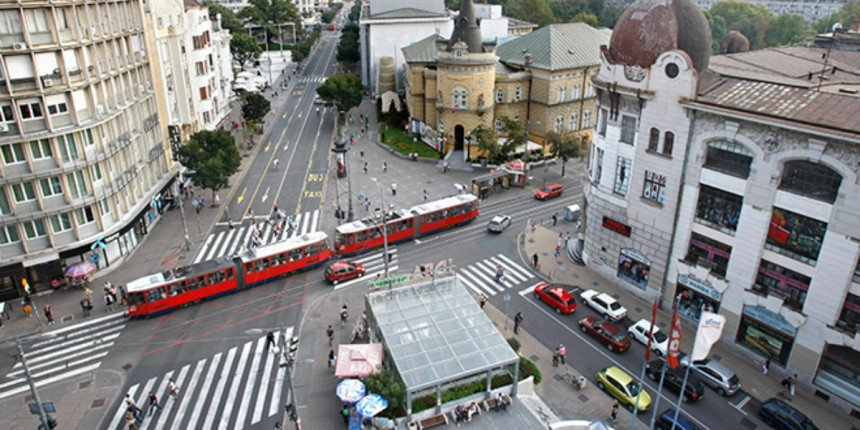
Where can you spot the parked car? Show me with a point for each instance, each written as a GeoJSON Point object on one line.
{"type": "Point", "coordinates": [557, 297]}
{"type": "Point", "coordinates": [604, 304]}
{"type": "Point", "coordinates": [608, 334]}
{"type": "Point", "coordinates": [343, 271]}
{"type": "Point", "coordinates": [659, 340]}
{"type": "Point", "coordinates": [499, 223]}
{"type": "Point", "coordinates": [714, 374]}
{"type": "Point", "coordinates": [780, 415]}
{"type": "Point", "coordinates": [318, 99]}
{"type": "Point", "coordinates": [550, 191]}
{"type": "Point", "coordinates": [620, 385]}
{"type": "Point", "coordinates": [668, 417]}
{"type": "Point", "coordinates": [693, 391]}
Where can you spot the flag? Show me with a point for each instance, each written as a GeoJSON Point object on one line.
{"type": "Point", "coordinates": [675, 339]}
{"type": "Point", "coordinates": [709, 332]}
{"type": "Point", "coordinates": [651, 332]}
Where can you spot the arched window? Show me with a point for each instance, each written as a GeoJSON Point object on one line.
{"type": "Point", "coordinates": [653, 140]}
{"type": "Point", "coordinates": [498, 125]}
{"type": "Point", "coordinates": [813, 180]}
{"type": "Point", "coordinates": [730, 158]}
{"type": "Point", "coordinates": [559, 125]}
{"type": "Point", "coordinates": [574, 123]}
{"type": "Point", "coordinates": [668, 143]}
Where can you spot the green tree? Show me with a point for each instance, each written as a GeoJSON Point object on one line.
{"type": "Point", "coordinates": [385, 383]}
{"type": "Point", "coordinates": [342, 90]}
{"type": "Point", "coordinates": [718, 30]}
{"type": "Point", "coordinates": [351, 28]}
{"type": "Point", "coordinates": [355, 12]}
{"type": "Point", "coordinates": [244, 47]}
{"type": "Point", "coordinates": [487, 141]}
{"type": "Point", "coordinates": [564, 147]}
{"type": "Point", "coordinates": [751, 20]}
{"type": "Point", "coordinates": [850, 13]}
{"type": "Point", "coordinates": [212, 157]}
{"type": "Point", "coordinates": [269, 13]}
{"type": "Point", "coordinates": [347, 50]}
{"type": "Point", "coordinates": [536, 11]}
{"type": "Point", "coordinates": [228, 18]}
{"type": "Point", "coordinates": [255, 106]}
{"type": "Point", "coordinates": [588, 18]}
{"type": "Point", "coordinates": [514, 134]}
{"type": "Point", "coordinates": [610, 15]}
{"type": "Point", "coordinates": [787, 29]}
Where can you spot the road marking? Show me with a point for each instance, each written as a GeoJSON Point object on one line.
{"type": "Point", "coordinates": [265, 195]}
{"type": "Point", "coordinates": [252, 378]}
{"type": "Point", "coordinates": [222, 381]}
{"type": "Point", "coordinates": [741, 404]}
{"type": "Point", "coordinates": [529, 290]}
{"type": "Point", "coordinates": [198, 407]}
{"type": "Point", "coordinates": [241, 196]}
{"type": "Point", "coordinates": [310, 164]}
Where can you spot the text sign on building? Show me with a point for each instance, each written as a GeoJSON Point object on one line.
{"type": "Point", "coordinates": [616, 226]}
{"type": "Point", "coordinates": [175, 140]}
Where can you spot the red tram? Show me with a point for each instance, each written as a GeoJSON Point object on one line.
{"type": "Point", "coordinates": [365, 234]}
{"type": "Point", "coordinates": [163, 292]}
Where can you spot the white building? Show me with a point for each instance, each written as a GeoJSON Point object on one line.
{"type": "Point", "coordinates": [210, 94]}
{"type": "Point", "coordinates": [731, 184]}
{"type": "Point", "coordinates": [811, 11]}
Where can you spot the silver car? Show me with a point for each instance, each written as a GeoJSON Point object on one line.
{"type": "Point", "coordinates": [717, 376]}
{"type": "Point", "coordinates": [499, 223]}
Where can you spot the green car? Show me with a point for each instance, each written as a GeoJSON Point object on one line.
{"type": "Point", "coordinates": [622, 386]}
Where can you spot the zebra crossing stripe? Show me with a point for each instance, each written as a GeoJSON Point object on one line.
{"type": "Point", "coordinates": [234, 246]}
{"type": "Point", "coordinates": [78, 328]}
{"type": "Point", "coordinates": [516, 266]}
{"type": "Point", "coordinates": [55, 378]}
{"type": "Point", "coordinates": [469, 284]}
{"type": "Point", "coordinates": [482, 280]}
{"type": "Point", "coordinates": [205, 246]}
{"type": "Point", "coordinates": [509, 273]}
{"type": "Point", "coordinates": [275, 404]}
{"type": "Point", "coordinates": [251, 380]}
{"type": "Point", "coordinates": [219, 389]}
{"type": "Point", "coordinates": [192, 384]}
{"type": "Point", "coordinates": [489, 269]}
{"type": "Point", "coordinates": [204, 392]}
{"type": "Point", "coordinates": [35, 356]}
{"type": "Point", "coordinates": [115, 422]}
{"type": "Point", "coordinates": [234, 389]}
{"type": "Point", "coordinates": [228, 242]}
{"type": "Point", "coordinates": [315, 221]}
{"type": "Point", "coordinates": [160, 392]}
{"type": "Point", "coordinates": [264, 388]}
{"type": "Point", "coordinates": [165, 414]}
{"type": "Point", "coordinates": [216, 246]}
{"type": "Point", "coordinates": [59, 365]}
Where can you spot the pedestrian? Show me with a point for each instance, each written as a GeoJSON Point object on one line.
{"type": "Point", "coordinates": [130, 421]}
{"type": "Point", "coordinates": [332, 360]}
{"type": "Point", "coordinates": [124, 294]}
{"type": "Point", "coordinates": [614, 414]}
{"type": "Point", "coordinates": [426, 196]}
{"type": "Point", "coordinates": [109, 302]}
{"type": "Point", "coordinates": [345, 412]}
{"type": "Point", "coordinates": [555, 358]}
{"type": "Point", "coordinates": [554, 219]}
{"type": "Point", "coordinates": [365, 167]}
{"type": "Point", "coordinates": [793, 385]}
{"type": "Point", "coordinates": [384, 167]}
{"type": "Point", "coordinates": [557, 251]}
{"type": "Point", "coordinates": [786, 387]}
{"type": "Point", "coordinates": [49, 314]}
{"type": "Point", "coordinates": [344, 314]}
{"type": "Point", "coordinates": [535, 261]}
{"type": "Point", "coordinates": [566, 239]}
{"type": "Point", "coordinates": [578, 225]}
{"type": "Point", "coordinates": [562, 351]}
{"type": "Point", "coordinates": [483, 300]}
{"type": "Point", "coordinates": [88, 292]}
{"type": "Point", "coordinates": [367, 205]}
{"type": "Point", "coordinates": [86, 306]}
{"type": "Point", "coordinates": [330, 333]}
{"type": "Point", "coordinates": [393, 189]}
{"type": "Point", "coordinates": [499, 273]}
{"type": "Point", "coordinates": [529, 225]}
{"type": "Point", "coordinates": [270, 340]}
{"type": "Point", "coordinates": [766, 366]}
{"type": "Point", "coordinates": [361, 153]}
{"type": "Point", "coordinates": [135, 411]}
{"type": "Point", "coordinates": [153, 403]}
{"type": "Point", "coordinates": [276, 163]}
{"type": "Point", "coordinates": [27, 309]}
{"type": "Point", "coordinates": [518, 320]}
{"type": "Point", "coordinates": [278, 426]}
{"type": "Point", "coordinates": [173, 388]}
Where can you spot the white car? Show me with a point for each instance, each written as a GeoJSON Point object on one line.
{"type": "Point", "coordinates": [318, 99]}
{"type": "Point", "coordinates": [605, 305]}
{"type": "Point", "coordinates": [499, 223]}
{"type": "Point", "coordinates": [659, 340]}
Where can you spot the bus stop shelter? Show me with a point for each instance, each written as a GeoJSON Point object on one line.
{"type": "Point", "coordinates": [436, 336]}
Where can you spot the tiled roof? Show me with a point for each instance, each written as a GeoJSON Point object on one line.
{"type": "Point", "coordinates": [407, 13]}
{"type": "Point", "coordinates": [557, 47]}
{"type": "Point", "coordinates": [422, 51]}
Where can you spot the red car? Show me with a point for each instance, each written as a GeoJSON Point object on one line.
{"type": "Point", "coordinates": [343, 271]}
{"type": "Point", "coordinates": [606, 333]}
{"type": "Point", "coordinates": [548, 192]}
{"type": "Point", "coordinates": [557, 297]}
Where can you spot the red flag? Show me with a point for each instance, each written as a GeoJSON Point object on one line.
{"type": "Point", "coordinates": [675, 339]}
{"type": "Point", "coordinates": [651, 332]}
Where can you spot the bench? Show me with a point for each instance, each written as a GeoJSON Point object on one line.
{"type": "Point", "coordinates": [492, 404]}
{"type": "Point", "coordinates": [437, 420]}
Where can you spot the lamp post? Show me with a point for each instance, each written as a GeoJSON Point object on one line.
{"type": "Point", "coordinates": [342, 151]}
{"type": "Point", "coordinates": [384, 227]}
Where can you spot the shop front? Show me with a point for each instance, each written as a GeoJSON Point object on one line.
{"type": "Point", "coordinates": [766, 333]}
{"type": "Point", "coordinates": [634, 268]}
{"type": "Point", "coordinates": [839, 372]}
{"type": "Point", "coordinates": [695, 295]}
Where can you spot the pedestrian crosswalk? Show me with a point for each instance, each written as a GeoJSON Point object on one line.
{"type": "Point", "coordinates": [480, 277]}
{"type": "Point", "coordinates": [308, 79]}
{"type": "Point", "coordinates": [64, 353]}
{"type": "Point", "coordinates": [236, 390]}
{"type": "Point", "coordinates": [231, 241]}
{"type": "Point", "coordinates": [374, 264]}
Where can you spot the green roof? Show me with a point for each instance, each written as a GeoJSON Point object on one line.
{"type": "Point", "coordinates": [422, 51]}
{"type": "Point", "coordinates": [557, 47]}
{"type": "Point", "coordinates": [407, 13]}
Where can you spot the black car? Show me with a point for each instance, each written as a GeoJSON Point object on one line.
{"type": "Point", "coordinates": [694, 390]}
{"type": "Point", "coordinates": [782, 416]}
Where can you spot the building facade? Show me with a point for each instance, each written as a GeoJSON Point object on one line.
{"type": "Point", "coordinates": [84, 169]}
{"type": "Point", "coordinates": [715, 183]}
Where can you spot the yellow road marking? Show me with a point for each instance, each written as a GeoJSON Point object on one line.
{"type": "Point", "coordinates": [307, 171]}
{"type": "Point", "coordinates": [241, 197]}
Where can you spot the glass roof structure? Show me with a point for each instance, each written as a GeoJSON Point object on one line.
{"type": "Point", "coordinates": [436, 333]}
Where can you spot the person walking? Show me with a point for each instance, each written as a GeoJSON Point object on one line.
{"type": "Point", "coordinates": [135, 411]}
{"type": "Point", "coordinates": [344, 314]}
{"type": "Point", "coordinates": [344, 411]}
{"type": "Point", "coordinates": [500, 273]}
{"type": "Point", "coordinates": [153, 403]}
{"type": "Point", "coordinates": [278, 426]}
{"type": "Point", "coordinates": [86, 306]}
{"type": "Point", "coordinates": [562, 351]}
{"type": "Point", "coordinates": [276, 163]}
{"type": "Point", "coordinates": [614, 414]}
{"type": "Point", "coordinates": [130, 421]}
{"type": "Point", "coordinates": [786, 387]}
{"type": "Point", "coordinates": [173, 389]}
{"type": "Point", "coordinates": [384, 167]}
{"type": "Point", "coordinates": [535, 261]}
{"type": "Point", "coordinates": [365, 167]}
{"type": "Point", "coordinates": [426, 196]}
{"type": "Point", "coordinates": [765, 366]}
{"type": "Point", "coordinates": [483, 300]}
{"type": "Point", "coordinates": [330, 333]}
{"type": "Point", "coordinates": [270, 340]}
{"type": "Point", "coordinates": [367, 205]}
{"type": "Point", "coordinates": [332, 360]}
{"type": "Point", "coordinates": [109, 302]}
{"type": "Point", "coordinates": [518, 321]}
{"type": "Point", "coordinates": [554, 219]}
{"type": "Point", "coordinates": [393, 189]}
{"type": "Point", "coordinates": [27, 309]}
{"type": "Point", "coordinates": [49, 314]}
{"type": "Point", "coordinates": [555, 358]}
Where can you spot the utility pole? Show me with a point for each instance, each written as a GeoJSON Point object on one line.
{"type": "Point", "coordinates": [186, 244]}
{"type": "Point", "coordinates": [43, 417]}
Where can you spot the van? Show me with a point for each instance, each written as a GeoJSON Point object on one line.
{"type": "Point", "coordinates": [681, 423]}
{"type": "Point", "coordinates": [572, 213]}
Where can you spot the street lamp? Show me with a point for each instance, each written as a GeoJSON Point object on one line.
{"type": "Point", "coordinates": [342, 150]}
{"type": "Point", "coordinates": [384, 227]}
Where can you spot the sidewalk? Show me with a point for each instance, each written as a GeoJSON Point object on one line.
{"type": "Point", "coordinates": [753, 382]}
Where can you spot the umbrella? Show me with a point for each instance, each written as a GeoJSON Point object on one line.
{"type": "Point", "coordinates": [371, 405]}
{"type": "Point", "coordinates": [350, 390]}
{"type": "Point", "coordinates": [79, 270]}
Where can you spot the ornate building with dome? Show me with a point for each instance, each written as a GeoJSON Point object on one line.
{"type": "Point", "coordinates": [729, 184]}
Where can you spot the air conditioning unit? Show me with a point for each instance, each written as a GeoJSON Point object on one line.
{"type": "Point", "coordinates": [47, 82]}
{"type": "Point", "coordinates": [100, 109]}
{"type": "Point", "coordinates": [4, 128]}
{"type": "Point", "coordinates": [20, 46]}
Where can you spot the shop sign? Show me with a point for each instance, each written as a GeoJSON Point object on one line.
{"type": "Point", "coordinates": [636, 256]}
{"type": "Point", "coordinates": [703, 287]}
{"type": "Point", "coordinates": [770, 319]}
{"type": "Point", "coordinates": [622, 229]}
{"type": "Point", "coordinates": [175, 140]}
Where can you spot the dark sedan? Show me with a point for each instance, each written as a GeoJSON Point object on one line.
{"type": "Point", "coordinates": [693, 391]}
{"type": "Point", "coordinates": [608, 334]}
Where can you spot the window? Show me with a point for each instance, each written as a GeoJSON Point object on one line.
{"type": "Point", "coordinates": [60, 223]}
{"type": "Point", "coordinates": [68, 147]}
{"type": "Point", "coordinates": [707, 249]}
{"type": "Point", "coordinates": [204, 94]}
{"type": "Point", "coordinates": [729, 157]}
{"type": "Point", "coordinates": [84, 215]}
{"type": "Point", "coordinates": [562, 94]}
{"type": "Point", "coordinates": [654, 187]}
{"type": "Point", "coordinates": [30, 110]}
{"type": "Point", "coordinates": [519, 94]}
{"type": "Point", "coordinates": [10, 22]}
{"type": "Point", "coordinates": [577, 92]}
{"type": "Point", "coordinates": [599, 166]}
{"type": "Point", "coordinates": [500, 96]}
{"type": "Point", "coordinates": [51, 186]}
{"type": "Point", "coordinates": [849, 319]}
{"type": "Point", "coordinates": [104, 207]}
{"type": "Point", "coordinates": [6, 113]}
{"type": "Point", "coordinates": [718, 209]}
{"type": "Point", "coordinates": [58, 108]}
{"type": "Point", "coordinates": [460, 98]}
{"type": "Point", "coordinates": [88, 137]}
{"type": "Point", "coordinates": [856, 277]}
{"type": "Point", "coordinates": [573, 125]}
{"type": "Point", "coordinates": [207, 117]}
{"type": "Point", "coordinates": [628, 129]}
{"type": "Point", "coordinates": [589, 90]}
{"type": "Point", "coordinates": [795, 235]}
{"type": "Point", "coordinates": [8, 234]}
{"type": "Point", "coordinates": [24, 192]}
{"type": "Point", "coordinates": [41, 149]}
{"type": "Point", "coordinates": [201, 68]}
{"type": "Point", "coordinates": [77, 185]}
{"type": "Point", "coordinates": [839, 372]}
{"type": "Point", "coordinates": [653, 140]}
{"type": "Point", "coordinates": [809, 179]}
{"type": "Point", "coordinates": [622, 175]}
{"type": "Point", "coordinates": [13, 153]}
{"type": "Point", "coordinates": [5, 209]}
{"type": "Point", "coordinates": [498, 125]}
{"type": "Point", "coordinates": [559, 125]}
{"type": "Point", "coordinates": [34, 228]}
{"type": "Point", "coordinates": [586, 120]}
{"type": "Point", "coordinates": [668, 143]}
{"type": "Point", "coordinates": [782, 282]}
{"type": "Point", "coordinates": [601, 129]}
{"type": "Point", "coordinates": [96, 172]}
{"type": "Point", "coordinates": [37, 20]}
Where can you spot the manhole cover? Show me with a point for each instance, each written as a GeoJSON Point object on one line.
{"type": "Point", "coordinates": [67, 318]}
{"type": "Point", "coordinates": [84, 385]}
{"type": "Point", "coordinates": [97, 403]}
{"type": "Point", "coordinates": [583, 398]}
{"type": "Point", "coordinates": [534, 358]}
{"type": "Point", "coordinates": [126, 366]}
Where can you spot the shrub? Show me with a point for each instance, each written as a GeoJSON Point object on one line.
{"type": "Point", "coordinates": [515, 344]}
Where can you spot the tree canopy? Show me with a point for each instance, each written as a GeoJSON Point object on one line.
{"type": "Point", "coordinates": [514, 134]}
{"type": "Point", "coordinates": [487, 140]}
{"type": "Point", "coordinates": [244, 47]}
{"type": "Point", "coordinates": [536, 11]}
{"type": "Point", "coordinates": [386, 384]}
{"type": "Point", "coordinates": [212, 157]}
{"type": "Point", "coordinates": [850, 13]}
{"type": "Point", "coordinates": [342, 90]}
{"type": "Point", "coordinates": [228, 18]}
{"type": "Point", "coordinates": [564, 147]}
{"type": "Point", "coordinates": [269, 13]}
{"type": "Point", "coordinates": [255, 106]}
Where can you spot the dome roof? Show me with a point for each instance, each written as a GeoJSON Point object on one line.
{"type": "Point", "coordinates": [648, 28]}
{"type": "Point", "coordinates": [734, 42]}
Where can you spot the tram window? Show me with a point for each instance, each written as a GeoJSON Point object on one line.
{"type": "Point", "coordinates": [390, 228]}
{"type": "Point", "coordinates": [361, 236]}
{"type": "Point", "coordinates": [155, 295]}
{"type": "Point", "coordinates": [431, 217]}
{"type": "Point", "coordinates": [311, 249]}
{"type": "Point", "coordinates": [261, 264]}
{"type": "Point", "coordinates": [295, 254]}
{"type": "Point", "coordinates": [444, 214]}
{"type": "Point", "coordinates": [216, 278]}
{"type": "Point", "coordinates": [373, 234]}
{"type": "Point", "coordinates": [176, 288]}
{"type": "Point", "coordinates": [136, 299]}
{"type": "Point", "coordinates": [409, 222]}
{"type": "Point", "coordinates": [279, 259]}
{"type": "Point", "coordinates": [456, 211]}
{"type": "Point", "coordinates": [193, 284]}
{"type": "Point", "coordinates": [201, 280]}
{"type": "Point", "coordinates": [350, 239]}
{"type": "Point", "coordinates": [249, 267]}
{"type": "Point", "coordinates": [323, 246]}
{"type": "Point", "coordinates": [230, 273]}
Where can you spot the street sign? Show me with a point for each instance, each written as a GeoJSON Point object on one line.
{"type": "Point", "coordinates": [507, 298]}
